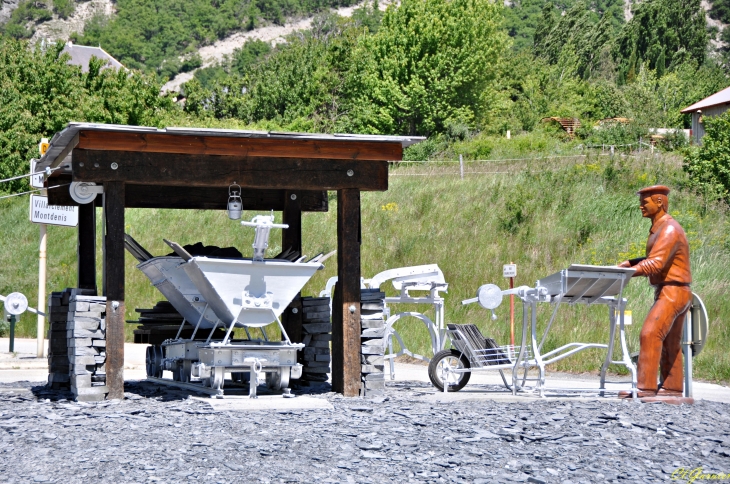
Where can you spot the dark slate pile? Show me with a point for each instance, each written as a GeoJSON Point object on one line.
{"type": "Point", "coordinates": [77, 343]}
{"type": "Point", "coordinates": [162, 435]}
{"type": "Point", "coordinates": [317, 336]}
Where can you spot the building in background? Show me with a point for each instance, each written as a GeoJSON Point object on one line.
{"type": "Point", "coordinates": [81, 55]}
{"type": "Point", "coordinates": [713, 105]}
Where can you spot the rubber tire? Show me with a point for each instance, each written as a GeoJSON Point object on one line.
{"type": "Point", "coordinates": [434, 373]}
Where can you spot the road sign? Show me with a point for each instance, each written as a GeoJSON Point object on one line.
{"type": "Point", "coordinates": [42, 213]}
{"type": "Point", "coordinates": [36, 181]}
{"type": "Point", "coordinates": [509, 270]}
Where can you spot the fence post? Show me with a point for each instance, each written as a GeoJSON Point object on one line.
{"type": "Point", "coordinates": [461, 166]}
{"type": "Point", "coordinates": [639, 144]}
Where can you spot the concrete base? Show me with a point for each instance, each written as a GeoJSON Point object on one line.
{"type": "Point", "coordinates": [669, 400]}
{"type": "Point", "coordinates": [24, 366]}
{"type": "Point", "coordinates": [267, 403]}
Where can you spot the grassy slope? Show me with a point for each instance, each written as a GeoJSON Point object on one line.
{"type": "Point", "coordinates": [542, 215]}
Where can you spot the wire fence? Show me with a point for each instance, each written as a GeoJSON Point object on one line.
{"type": "Point", "coordinates": [441, 167]}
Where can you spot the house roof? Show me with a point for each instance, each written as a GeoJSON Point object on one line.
{"type": "Point", "coordinates": [721, 97]}
{"type": "Point", "coordinates": [81, 55]}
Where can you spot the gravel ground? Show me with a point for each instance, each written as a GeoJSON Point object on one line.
{"type": "Point", "coordinates": [159, 434]}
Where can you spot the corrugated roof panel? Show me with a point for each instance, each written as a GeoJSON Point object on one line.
{"type": "Point", "coordinates": [721, 97]}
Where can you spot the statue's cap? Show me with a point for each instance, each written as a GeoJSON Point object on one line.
{"type": "Point", "coordinates": [654, 190]}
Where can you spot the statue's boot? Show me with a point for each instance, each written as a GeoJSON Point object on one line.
{"type": "Point", "coordinates": [639, 393]}
{"type": "Point", "coordinates": [664, 392]}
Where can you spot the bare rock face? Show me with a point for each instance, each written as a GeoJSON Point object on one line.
{"type": "Point", "coordinates": [58, 29]}
{"type": "Point", "coordinates": [6, 9]}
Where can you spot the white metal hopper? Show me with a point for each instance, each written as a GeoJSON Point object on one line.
{"type": "Point", "coordinates": [167, 274]}
{"type": "Point", "coordinates": [248, 292]}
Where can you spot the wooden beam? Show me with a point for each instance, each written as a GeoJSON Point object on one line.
{"type": "Point", "coordinates": [292, 238]}
{"type": "Point", "coordinates": [114, 275]}
{"type": "Point", "coordinates": [222, 145]}
{"type": "Point", "coordinates": [216, 198]}
{"type": "Point", "coordinates": [201, 198]}
{"type": "Point", "coordinates": [346, 309]}
{"type": "Point", "coordinates": [86, 249]}
{"type": "Point", "coordinates": [216, 171]}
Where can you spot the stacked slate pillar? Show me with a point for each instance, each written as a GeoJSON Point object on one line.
{"type": "Point", "coordinates": [77, 337]}
{"type": "Point", "coordinates": [372, 304]}
{"type": "Point", "coordinates": [58, 364]}
{"type": "Point", "coordinates": [317, 330]}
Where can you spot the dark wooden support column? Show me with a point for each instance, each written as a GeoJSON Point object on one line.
{"type": "Point", "coordinates": [346, 307]}
{"type": "Point", "coordinates": [86, 249]}
{"type": "Point", "coordinates": [114, 242]}
{"type": "Point", "coordinates": [292, 238]}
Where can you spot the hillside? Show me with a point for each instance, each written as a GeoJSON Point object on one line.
{"type": "Point", "coordinates": [542, 214]}
{"type": "Point", "coordinates": [173, 39]}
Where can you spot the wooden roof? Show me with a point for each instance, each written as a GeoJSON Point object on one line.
{"type": "Point", "coordinates": [193, 167]}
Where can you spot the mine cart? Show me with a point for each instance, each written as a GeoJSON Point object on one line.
{"type": "Point", "coordinates": [210, 292]}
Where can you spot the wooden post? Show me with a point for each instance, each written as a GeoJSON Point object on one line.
{"type": "Point", "coordinates": [292, 238]}
{"type": "Point", "coordinates": [114, 275]}
{"type": "Point", "coordinates": [346, 307]}
{"type": "Point", "coordinates": [86, 249]}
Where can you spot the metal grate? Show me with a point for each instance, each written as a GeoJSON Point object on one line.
{"type": "Point", "coordinates": [481, 351]}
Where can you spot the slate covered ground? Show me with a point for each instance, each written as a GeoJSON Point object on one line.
{"type": "Point", "coordinates": [163, 435]}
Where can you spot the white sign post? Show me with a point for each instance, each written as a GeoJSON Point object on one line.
{"type": "Point", "coordinates": [36, 181]}
{"type": "Point", "coordinates": [42, 213]}
{"type": "Point", "coordinates": [510, 271]}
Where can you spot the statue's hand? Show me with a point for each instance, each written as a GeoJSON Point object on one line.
{"type": "Point", "coordinates": [625, 264]}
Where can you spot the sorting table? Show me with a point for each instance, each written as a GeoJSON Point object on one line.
{"type": "Point", "coordinates": [578, 284]}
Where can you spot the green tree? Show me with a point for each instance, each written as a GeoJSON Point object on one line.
{"type": "Point", "coordinates": [708, 166]}
{"type": "Point", "coordinates": [428, 65]}
{"type": "Point", "coordinates": [579, 32]}
{"type": "Point", "coordinates": [40, 93]}
{"type": "Point", "coordinates": [668, 31]}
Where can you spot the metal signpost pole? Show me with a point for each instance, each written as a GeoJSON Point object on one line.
{"type": "Point", "coordinates": [510, 271]}
{"type": "Point", "coordinates": [688, 322]}
{"type": "Point", "coordinates": [512, 312]}
{"type": "Point", "coordinates": [42, 286]}
{"type": "Point", "coordinates": [36, 181]}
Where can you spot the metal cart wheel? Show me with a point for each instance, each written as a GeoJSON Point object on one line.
{"type": "Point", "coordinates": [182, 371]}
{"type": "Point", "coordinates": [153, 361]}
{"type": "Point", "coordinates": [240, 376]}
{"type": "Point", "coordinates": [216, 377]}
{"type": "Point", "coordinates": [441, 363]}
{"type": "Point", "coordinates": [176, 372]}
{"type": "Point", "coordinates": [279, 379]}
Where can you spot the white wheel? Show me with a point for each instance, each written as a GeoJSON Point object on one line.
{"type": "Point", "coordinates": [279, 379]}
{"type": "Point", "coordinates": [216, 377]}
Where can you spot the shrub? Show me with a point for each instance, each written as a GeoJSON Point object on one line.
{"type": "Point", "coordinates": [708, 166]}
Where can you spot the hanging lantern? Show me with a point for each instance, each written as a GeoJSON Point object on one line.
{"type": "Point", "coordinates": [235, 204]}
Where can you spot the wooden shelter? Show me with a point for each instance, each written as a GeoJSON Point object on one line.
{"type": "Point", "coordinates": [189, 168]}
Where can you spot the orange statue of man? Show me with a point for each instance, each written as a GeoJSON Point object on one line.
{"type": "Point", "coordinates": [667, 266]}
